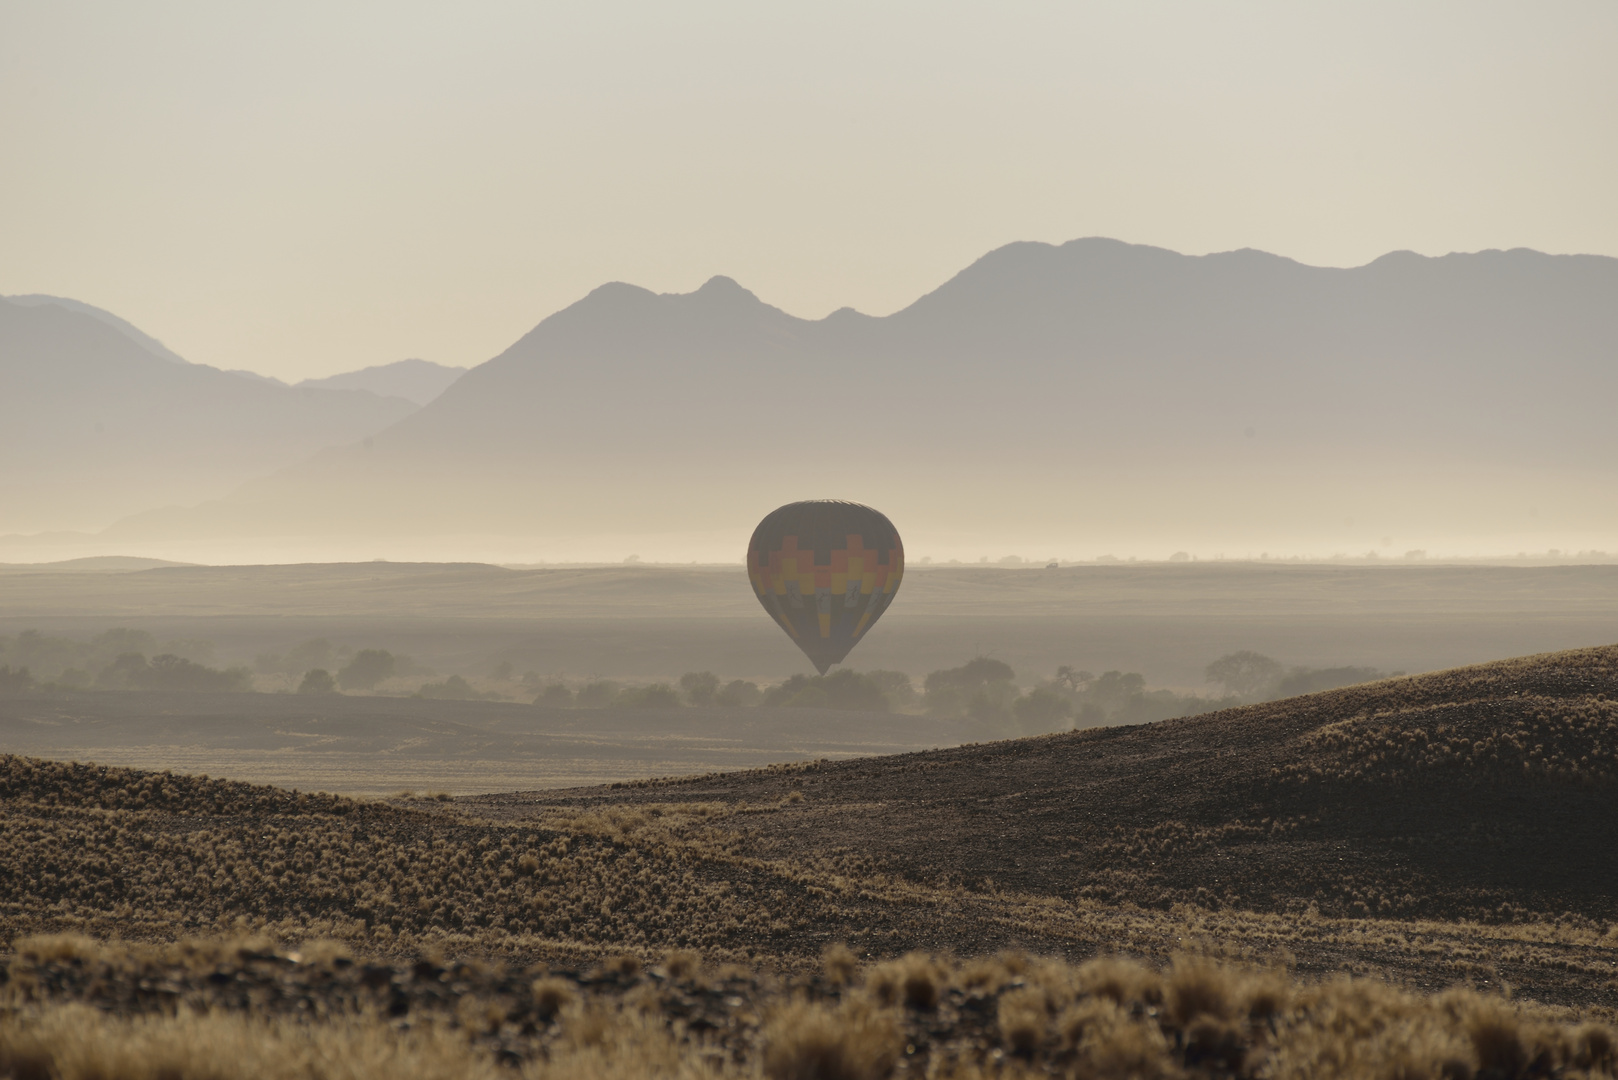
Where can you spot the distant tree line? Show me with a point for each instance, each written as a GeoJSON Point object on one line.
{"type": "Point", "coordinates": [983, 689]}
{"type": "Point", "coordinates": [1250, 676]}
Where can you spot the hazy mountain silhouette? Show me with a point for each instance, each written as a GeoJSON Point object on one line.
{"type": "Point", "coordinates": [419, 381]}
{"type": "Point", "coordinates": [1090, 389]}
{"type": "Point", "coordinates": [123, 326]}
{"type": "Point", "coordinates": [98, 420]}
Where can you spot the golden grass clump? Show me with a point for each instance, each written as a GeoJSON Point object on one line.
{"type": "Point", "coordinates": [1113, 1044]}
{"type": "Point", "coordinates": [75, 1009]}
{"type": "Point", "coordinates": [551, 995]}
{"type": "Point", "coordinates": [1023, 1020]}
{"type": "Point", "coordinates": [855, 1041]}
{"type": "Point", "coordinates": [838, 964]}
{"type": "Point", "coordinates": [73, 1042]}
{"type": "Point", "coordinates": [912, 981]}
{"type": "Point", "coordinates": [1120, 980]}
{"type": "Point", "coordinates": [682, 965]}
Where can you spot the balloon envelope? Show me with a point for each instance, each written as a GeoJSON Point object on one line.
{"type": "Point", "coordinates": [825, 570]}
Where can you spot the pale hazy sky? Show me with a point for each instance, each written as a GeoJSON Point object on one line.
{"type": "Point", "coordinates": [304, 188]}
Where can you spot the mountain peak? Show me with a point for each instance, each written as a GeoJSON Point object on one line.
{"type": "Point", "coordinates": [721, 287]}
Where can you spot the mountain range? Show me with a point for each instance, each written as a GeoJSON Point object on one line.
{"type": "Point", "coordinates": [1095, 392]}
{"type": "Point", "coordinates": [99, 419]}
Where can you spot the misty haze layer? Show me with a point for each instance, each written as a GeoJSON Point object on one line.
{"type": "Point", "coordinates": [1093, 394]}
{"type": "Point", "coordinates": [97, 420]}
{"type": "Point", "coordinates": [414, 380]}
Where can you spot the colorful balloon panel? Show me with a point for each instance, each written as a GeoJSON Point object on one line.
{"type": "Point", "coordinates": [825, 570]}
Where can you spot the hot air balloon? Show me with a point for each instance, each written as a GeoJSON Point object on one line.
{"type": "Point", "coordinates": [825, 570]}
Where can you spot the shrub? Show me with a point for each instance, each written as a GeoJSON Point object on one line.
{"type": "Point", "coordinates": [970, 675]}
{"type": "Point", "coordinates": [14, 682]}
{"type": "Point", "coordinates": [739, 693]}
{"type": "Point", "coordinates": [1245, 673]}
{"type": "Point", "coordinates": [304, 656]}
{"type": "Point", "coordinates": [811, 1042]}
{"type": "Point", "coordinates": [895, 686]}
{"type": "Point", "coordinates": [368, 668]}
{"type": "Point", "coordinates": [700, 687]}
{"type": "Point", "coordinates": [838, 964]}
{"type": "Point", "coordinates": [1301, 680]}
{"type": "Point", "coordinates": [551, 995]}
{"type": "Point", "coordinates": [980, 688]}
{"type": "Point", "coordinates": [655, 696]}
{"type": "Point", "coordinates": [454, 688]}
{"type": "Point", "coordinates": [130, 671]}
{"type": "Point", "coordinates": [123, 673]}
{"type": "Point", "coordinates": [1042, 708]}
{"type": "Point", "coordinates": [595, 695]}
{"type": "Point", "coordinates": [318, 681]}
{"type": "Point", "coordinates": [555, 696]}
{"type": "Point", "coordinates": [843, 689]}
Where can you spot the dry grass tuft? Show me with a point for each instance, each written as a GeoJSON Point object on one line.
{"type": "Point", "coordinates": [682, 965]}
{"type": "Point", "coordinates": [1122, 981]}
{"type": "Point", "coordinates": [838, 964]}
{"type": "Point", "coordinates": [1196, 988]}
{"type": "Point", "coordinates": [74, 1009]}
{"type": "Point", "coordinates": [77, 1043]}
{"type": "Point", "coordinates": [806, 1041]}
{"type": "Point", "coordinates": [911, 981]}
{"type": "Point", "coordinates": [551, 995]}
{"type": "Point", "coordinates": [624, 965]}
{"type": "Point", "coordinates": [1022, 1020]}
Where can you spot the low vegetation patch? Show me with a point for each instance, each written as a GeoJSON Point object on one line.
{"type": "Point", "coordinates": [73, 1007]}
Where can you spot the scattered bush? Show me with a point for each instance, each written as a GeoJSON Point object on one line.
{"type": "Point", "coordinates": [1043, 709]}
{"type": "Point", "coordinates": [454, 688]}
{"type": "Point", "coordinates": [738, 693]}
{"type": "Point", "coordinates": [555, 696]}
{"type": "Point", "coordinates": [805, 1041]}
{"type": "Point", "coordinates": [1301, 681]}
{"type": "Point", "coordinates": [304, 656]}
{"type": "Point", "coordinates": [1252, 676]}
{"type": "Point", "coordinates": [1120, 697]}
{"type": "Point", "coordinates": [1244, 673]}
{"type": "Point", "coordinates": [700, 687]}
{"type": "Point", "coordinates": [655, 696]}
{"type": "Point", "coordinates": [132, 671]}
{"type": "Point", "coordinates": [598, 694]}
{"type": "Point", "coordinates": [318, 681]}
{"type": "Point", "coordinates": [981, 688]}
{"type": "Point", "coordinates": [842, 689]}
{"type": "Point", "coordinates": [368, 668]}
{"type": "Point", "coordinates": [895, 686]}
{"type": "Point", "coordinates": [15, 682]}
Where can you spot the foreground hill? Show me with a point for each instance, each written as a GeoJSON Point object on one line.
{"type": "Point", "coordinates": [1483, 793]}
{"type": "Point", "coordinates": [1442, 828]}
{"type": "Point", "coordinates": [1420, 397]}
{"type": "Point", "coordinates": [97, 421]}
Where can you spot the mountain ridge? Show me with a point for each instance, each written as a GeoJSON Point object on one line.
{"type": "Point", "coordinates": [95, 425]}
{"type": "Point", "coordinates": [1432, 398]}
